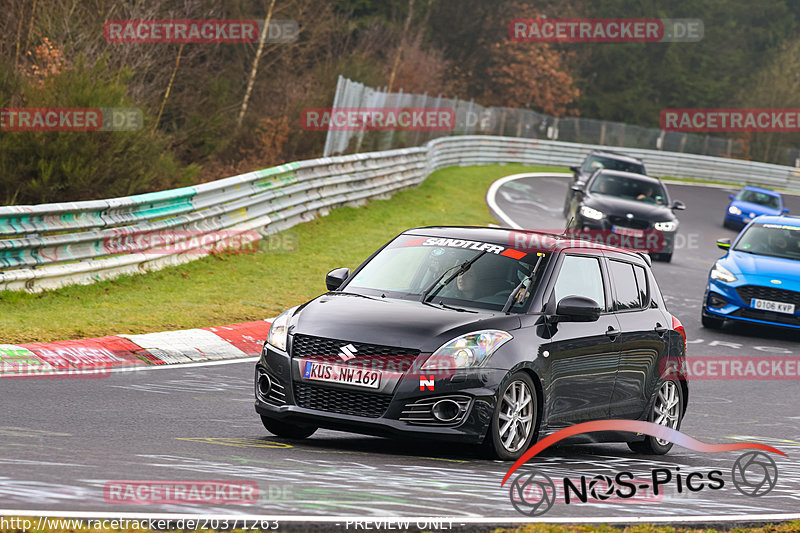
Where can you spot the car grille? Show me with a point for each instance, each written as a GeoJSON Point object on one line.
{"type": "Point", "coordinates": [307, 346]}
{"type": "Point", "coordinates": [768, 316]}
{"type": "Point", "coordinates": [629, 223]}
{"type": "Point", "coordinates": [345, 402]}
{"type": "Point", "coordinates": [746, 292]}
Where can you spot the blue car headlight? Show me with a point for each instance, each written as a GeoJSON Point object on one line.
{"type": "Point", "coordinates": [721, 273]}
{"type": "Point", "coordinates": [733, 210]}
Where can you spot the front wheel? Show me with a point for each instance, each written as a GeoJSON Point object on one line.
{"type": "Point", "coordinates": [513, 424]}
{"type": "Point", "coordinates": [289, 431]}
{"type": "Point", "coordinates": [667, 411]}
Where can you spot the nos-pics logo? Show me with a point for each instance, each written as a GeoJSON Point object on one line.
{"type": "Point", "coordinates": [533, 493]}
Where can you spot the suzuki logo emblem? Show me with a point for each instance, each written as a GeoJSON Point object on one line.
{"type": "Point", "coordinates": [347, 352]}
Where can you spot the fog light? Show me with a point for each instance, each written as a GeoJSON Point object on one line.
{"type": "Point", "coordinates": [715, 300]}
{"type": "Point", "coordinates": [264, 384]}
{"type": "Point", "coordinates": [446, 410]}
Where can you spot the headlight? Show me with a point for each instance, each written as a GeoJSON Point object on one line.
{"type": "Point", "coordinates": [280, 330]}
{"type": "Point", "coordinates": [467, 351]}
{"type": "Point", "coordinates": [733, 210]}
{"type": "Point", "coordinates": [666, 226]}
{"type": "Point", "coordinates": [721, 273]}
{"type": "Point", "coordinates": [589, 212]}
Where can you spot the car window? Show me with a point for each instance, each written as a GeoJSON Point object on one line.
{"type": "Point", "coordinates": [580, 276]}
{"type": "Point", "coordinates": [770, 239]}
{"type": "Point", "coordinates": [629, 189]}
{"type": "Point", "coordinates": [760, 198]}
{"type": "Point", "coordinates": [641, 283]}
{"type": "Point", "coordinates": [626, 291]}
{"type": "Point", "coordinates": [594, 162]}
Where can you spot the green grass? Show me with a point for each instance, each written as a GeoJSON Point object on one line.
{"type": "Point", "coordinates": [234, 288]}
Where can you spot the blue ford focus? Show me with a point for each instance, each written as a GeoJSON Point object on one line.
{"type": "Point", "coordinates": [751, 202]}
{"type": "Point", "coordinates": [758, 280]}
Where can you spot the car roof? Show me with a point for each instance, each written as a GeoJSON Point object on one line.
{"type": "Point", "coordinates": [617, 155]}
{"type": "Point", "coordinates": [761, 189]}
{"type": "Point", "coordinates": [520, 239]}
{"type": "Point", "coordinates": [784, 220]}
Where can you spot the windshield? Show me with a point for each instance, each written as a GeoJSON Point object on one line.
{"type": "Point", "coordinates": [775, 240]}
{"type": "Point", "coordinates": [629, 189]}
{"type": "Point", "coordinates": [760, 198]}
{"type": "Point", "coordinates": [411, 265]}
{"type": "Point", "coordinates": [594, 162]}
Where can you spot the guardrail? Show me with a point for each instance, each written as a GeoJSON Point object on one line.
{"type": "Point", "coordinates": [52, 245]}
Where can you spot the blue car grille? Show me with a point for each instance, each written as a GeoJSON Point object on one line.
{"type": "Point", "coordinates": [747, 292]}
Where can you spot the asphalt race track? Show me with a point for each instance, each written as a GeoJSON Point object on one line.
{"type": "Point", "coordinates": [62, 440]}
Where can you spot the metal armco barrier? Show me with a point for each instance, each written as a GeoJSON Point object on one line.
{"type": "Point", "coordinates": [52, 245]}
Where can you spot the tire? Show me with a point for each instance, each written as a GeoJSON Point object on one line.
{"type": "Point", "coordinates": [669, 398]}
{"type": "Point", "coordinates": [289, 431]}
{"type": "Point", "coordinates": [711, 322]}
{"type": "Point", "coordinates": [516, 412]}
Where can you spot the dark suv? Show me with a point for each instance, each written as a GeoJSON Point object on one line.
{"type": "Point", "coordinates": [597, 160]}
{"type": "Point", "coordinates": [479, 335]}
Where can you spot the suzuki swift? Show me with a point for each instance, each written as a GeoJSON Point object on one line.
{"type": "Point", "coordinates": [478, 335]}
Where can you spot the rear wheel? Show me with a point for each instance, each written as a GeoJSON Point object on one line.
{"type": "Point", "coordinates": [667, 411]}
{"type": "Point", "coordinates": [289, 431]}
{"type": "Point", "coordinates": [513, 424]}
{"type": "Point", "coordinates": [711, 322]}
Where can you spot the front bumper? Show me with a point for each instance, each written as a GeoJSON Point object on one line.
{"type": "Point", "coordinates": [359, 410]}
{"type": "Point", "coordinates": [722, 301]}
{"type": "Point", "coordinates": [652, 241]}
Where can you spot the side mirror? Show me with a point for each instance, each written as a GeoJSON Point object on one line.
{"type": "Point", "coordinates": [724, 244]}
{"type": "Point", "coordinates": [335, 278]}
{"type": "Point", "coordinates": [578, 309]}
{"type": "Point", "coordinates": [785, 211]}
{"type": "Point", "coordinates": [578, 187]}
{"type": "Point", "coordinates": [678, 205]}
{"type": "Point", "coordinates": [574, 168]}
{"type": "Point", "coordinates": [730, 196]}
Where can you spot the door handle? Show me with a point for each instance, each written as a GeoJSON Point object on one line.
{"type": "Point", "coordinates": [613, 333]}
{"type": "Point", "coordinates": [660, 329]}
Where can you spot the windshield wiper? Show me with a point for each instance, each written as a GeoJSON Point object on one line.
{"type": "Point", "coordinates": [463, 267]}
{"type": "Point", "coordinates": [441, 305]}
{"type": "Point", "coordinates": [529, 277]}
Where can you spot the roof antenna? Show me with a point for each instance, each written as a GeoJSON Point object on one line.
{"type": "Point", "coordinates": [569, 223]}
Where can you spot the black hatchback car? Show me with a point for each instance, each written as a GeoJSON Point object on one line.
{"type": "Point", "coordinates": [478, 335]}
{"type": "Point", "coordinates": [632, 208]}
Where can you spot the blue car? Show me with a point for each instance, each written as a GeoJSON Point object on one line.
{"type": "Point", "coordinates": [758, 280]}
{"type": "Point", "coordinates": [751, 202]}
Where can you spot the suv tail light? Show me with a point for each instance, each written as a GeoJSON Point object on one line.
{"type": "Point", "coordinates": [677, 326]}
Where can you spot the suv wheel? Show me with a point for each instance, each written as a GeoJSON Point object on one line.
{"type": "Point", "coordinates": [513, 424]}
{"type": "Point", "coordinates": [667, 411]}
{"type": "Point", "coordinates": [289, 431]}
